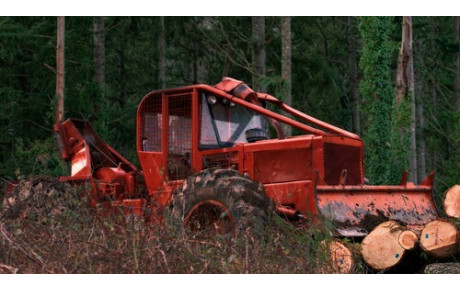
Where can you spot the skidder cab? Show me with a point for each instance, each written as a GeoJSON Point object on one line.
{"type": "Point", "coordinates": [225, 124]}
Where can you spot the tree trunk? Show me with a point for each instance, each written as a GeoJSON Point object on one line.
{"type": "Point", "coordinates": [380, 248]}
{"type": "Point", "coordinates": [286, 63]}
{"type": "Point", "coordinates": [194, 66]}
{"type": "Point", "coordinates": [99, 51]}
{"type": "Point", "coordinates": [457, 59]}
{"type": "Point", "coordinates": [405, 88]}
{"type": "Point", "coordinates": [376, 85]}
{"type": "Point", "coordinates": [161, 54]}
{"type": "Point", "coordinates": [439, 239]}
{"type": "Point", "coordinates": [413, 135]}
{"type": "Point", "coordinates": [452, 202]}
{"type": "Point", "coordinates": [421, 146]}
{"type": "Point", "coordinates": [258, 53]}
{"type": "Point", "coordinates": [352, 62]}
{"type": "Point", "coordinates": [434, 105]}
{"type": "Point", "coordinates": [121, 68]}
{"type": "Point", "coordinates": [60, 68]}
{"type": "Point", "coordinates": [226, 67]}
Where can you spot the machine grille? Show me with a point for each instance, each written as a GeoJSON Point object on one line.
{"type": "Point", "coordinates": [180, 136]}
{"type": "Point", "coordinates": [338, 157]}
{"type": "Point", "coordinates": [225, 160]}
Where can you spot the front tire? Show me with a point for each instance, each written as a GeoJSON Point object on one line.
{"type": "Point", "coordinates": [219, 199]}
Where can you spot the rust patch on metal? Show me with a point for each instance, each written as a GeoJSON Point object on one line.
{"type": "Point", "coordinates": [355, 213]}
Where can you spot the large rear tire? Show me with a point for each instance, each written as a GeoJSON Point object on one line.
{"type": "Point", "coordinates": [217, 200]}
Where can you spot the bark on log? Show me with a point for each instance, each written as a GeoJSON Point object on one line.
{"type": "Point", "coordinates": [340, 258]}
{"type": "Point", "coordinates": [439, 239]}
{"type": "Point", "coordinates": [443, 268]}
{"type": "Point", "coordinates": [452, 202]}
{"type": "Point", "coordinates": [380, 248]}
{"type": "Point", "coordinates": [408, 239]}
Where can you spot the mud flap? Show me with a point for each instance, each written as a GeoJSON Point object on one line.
{"type": "Point", "coordinates": [356, 210]}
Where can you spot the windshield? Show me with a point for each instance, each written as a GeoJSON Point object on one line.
{"type": "Point", "coordinates": [224, 124]}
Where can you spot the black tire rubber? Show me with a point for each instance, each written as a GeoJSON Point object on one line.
{"type": "Point", "coordinates": [244, 198]}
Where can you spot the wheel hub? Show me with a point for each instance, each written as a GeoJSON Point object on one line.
{"type": "Point", "coordinates": [208, 214]}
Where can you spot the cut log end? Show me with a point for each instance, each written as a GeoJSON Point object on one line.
{"type": "Point", "coordinates": [440, 239]}
{"type": "Point", "coordinates": [381, 249]}
{"type": "Point", "coordinates": [452, 202]}
{"type": "Point", "coordinates": [408, 239]}
{"type": "Point", "coordinates": [340, 258]}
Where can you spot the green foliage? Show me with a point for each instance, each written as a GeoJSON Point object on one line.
{"type": "Point", "coordinates": [378, 94]}
{"type": "Point", "coordinates": [320, 67]}
{"type": "Point", "coordinates": [400, 140]}
{"type": "Point", "coordinates": [38, 157]}
{"type": "Point", "coordinates": [451, 175]}
{"type": "Point", "coordinates": [438, 70]}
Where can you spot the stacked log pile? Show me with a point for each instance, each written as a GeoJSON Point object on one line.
{"type": "Point", "coordinates": [381, 249]}
{"type": "Point", "coordinates": [384, 247]}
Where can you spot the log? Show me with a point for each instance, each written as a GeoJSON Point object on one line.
{"type": "Point", "coordinates": [408, 239]}
{"type": "Point", "coordinates": [443, 268]}
{"type": "Point", "coordinates": [380, 248]}
{"type": "Point", "coordinates": [340, 258]}
{"type": "Point", "coordinates": [440, 238]}
{"type": "Point", "coordinates": [452, 202]}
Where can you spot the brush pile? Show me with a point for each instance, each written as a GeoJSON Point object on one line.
{"type": "Point", "coordinates": [47, 227]}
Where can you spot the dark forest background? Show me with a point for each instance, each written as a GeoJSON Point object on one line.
{"type": "Point", "coordinates": [342, 70]}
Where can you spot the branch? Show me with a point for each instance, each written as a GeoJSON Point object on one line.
{"type": "Point", "coordinates": [31, 254]}
{"type": "Point", "coordinates": [49, 67]}
{"type": "Point", "coordinates": [225, 52]}
{"type": "Point", "coordinates": [12, 270]}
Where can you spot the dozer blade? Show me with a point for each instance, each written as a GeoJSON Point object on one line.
{"type": "Point", "coordinates": [356, 210]}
